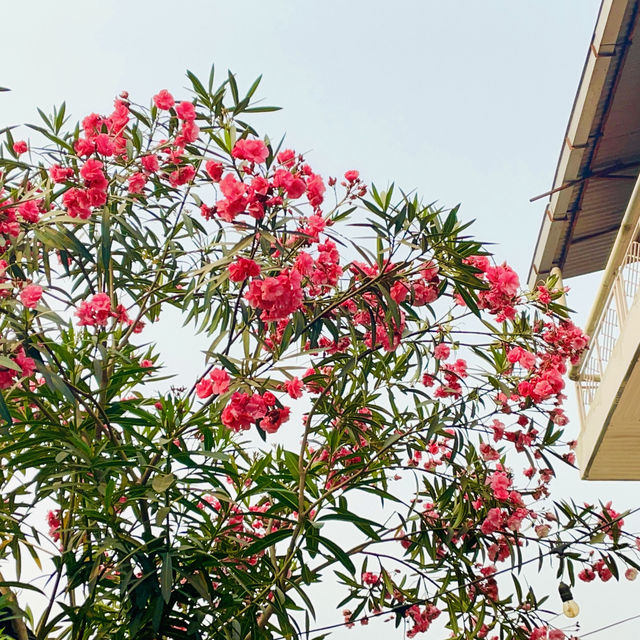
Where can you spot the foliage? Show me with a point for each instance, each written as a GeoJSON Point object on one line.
{"type": "Point", "coordinates": [430, 386]}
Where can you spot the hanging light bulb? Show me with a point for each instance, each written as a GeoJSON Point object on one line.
{"type": "Point", "coordinates": [570, 607]}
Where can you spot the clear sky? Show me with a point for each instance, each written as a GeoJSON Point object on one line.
{"type": "Point", "coordinates": [464, 101]}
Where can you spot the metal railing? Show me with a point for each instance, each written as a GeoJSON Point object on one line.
{"type": "Point", "coordinates": [622, 293]}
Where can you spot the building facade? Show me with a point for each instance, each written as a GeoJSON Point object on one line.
{"type": "Point", "coordinates": [592, 224]}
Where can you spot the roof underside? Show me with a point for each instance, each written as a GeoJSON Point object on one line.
{"type": "Point", "coordinates": [600, 157]}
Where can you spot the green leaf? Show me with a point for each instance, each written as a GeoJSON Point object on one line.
{"type": "Point", "coordinates": [268, 541]}
{"type": "Point", "coordinates": [339, 554]}
{"type": "Point", "coordinates": [8, 363]}
{"type": "Point", "coordinates": [161, 483]}
{"type": "Point", "coordinates": [166, 577]}
{"type": "Point", "coordinates": [4, 410]}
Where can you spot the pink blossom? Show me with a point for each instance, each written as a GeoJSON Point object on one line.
{"type": "Point", "coordinates": [315, 190]}
{"type": "Point", "coordinates": [104, 144]}
{"type": "Point", "coordinates": [220, 380]}
{"type": "Point", "coordinates": [60, 174]}
{"type": "Point", "coordinates": [136, 182]}
{"type": "Point", "coordinates": [204, 388]}
{"type": "Point", "coordinates": [94, 311]}
{"type": "Point", "coordinates": [287, 158]}
{"type": "Point", "coordinates": [278, 297]}
{"type": "Point", "coordinates": [274, 419]}
{"type": "Point", "coordinates": [442, 351]}
{"type": "Point", "coordinates": [30, 295]}
{"type": "Point", "coordinates": [493, 522]}
{"type": "Point", "coordinates": [500, 482]}
{"type": "Point", "coordinates": [243, 411]}
{"type": "Point", "coordinates": [294, 387]}
{"type": "Point", "coordinates": [214, 170]}
{"type": "Point", "coordinates": [399, 291]}
{"type": "Point", "coordinates": [371, 579]}
{"type": "Point", "coordinates": [77, 204]}
{"type": "Point", "coordinates": [150, 163]}
{"type": "Point", "coordinates": [242, 269]}
{"type": "Point", "coordinates": [186, 111]}
{"type": "Point", "coordinates": [20, 146]}
{"type": "Point", "coordinates": [252, 150]}
{"type": "Point", "coordinates": [163, 100]}
{"type": "Point", "coordinates": [182, 175]}
{"type": "Point", "coordinates": [30, 211]}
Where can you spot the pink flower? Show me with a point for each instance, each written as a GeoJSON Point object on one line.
{"type": "Point", "coordinates": [94, 311]}
{"type": "Point", "coordinates": [181, 176]}
{"type": "Point", "coordinates": [60, 174]}
{"type": "Point", "coordinates": [136, 182]}
{"type": "Point", "coordinates": [587, 575]}
{"type": "Point", "coordinates": [500, 482]}
{"type": "Point", "coordinates": [93, 174]}
{"type": "Point", "coordinates": [423, 293]}
{"type": "Point", "coordinates": [399, 291]}
{"type": "Point", "coordinates": [20, 146]}
{"type": "Point", "coordinates": [163, 100]}
{"type": "Point", "coordinates": [304, 263]}
{"type": "Point", "coordinates": [104, 144]}
{"type": "Point", "coordinates": [214, 170]}
{"type": "Point", "coordinates": [278, 297]}
{"type": "Point", "coordinates": [274, 419]}
{"type": "Point", "coordinates": [29, 210]}
{"type": "Point", "coordinates": [242, 269]}
{"type": "Point", "coordinates": [220, 380]}
{"type": "Point", "coordinates": [150, 163]}
{"type": "Point", "coordinates": [252, 150]}
{"type": "Point", "coordinates": [371, 579]}
{"type": "Point", "coordinates": [287, 158]}
{"type": "Point", "coordinates": [186, 111]}
{"type": "Point", "coordinates": [146, 364]}
{"type": "Point", "coordinates": [524, 357]}
{"type": "Point", "coordinates": [204, 388]}
{"type": "Point", "coordinates": [84, 147]}
{"type": "Point", "coordinates": [26, 364]}
{"type": "Point", "coordinates": [352, 176]}
{"type": "Point", "coordinates": [30, 295]}
{"type": "Point", "coordinates": [235, 200]}
{"type": "Point", "coordinates": [77, 203]}
{"type": "Point", "coordinates": [488, 452]}
{"type": "Point", "coordinates": [53, 520]}
{"type": "Point", "coordinates": [493, 522]}
{"type": "Point", "coordinates": [442, 351]}
{"type": "Point", "coordinates": [243, 411]}
{"type": "Point", "coordinates": [188, 133]}
{"type": "Point", "coordinates": [294, 387]}
{"type": "Point", "coordinates": [315, 190]}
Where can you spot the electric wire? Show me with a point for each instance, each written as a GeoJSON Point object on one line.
{"type": "Point", "coordinates": [609, 626]}
{"type": "Point", "coordinates": [557, 549]}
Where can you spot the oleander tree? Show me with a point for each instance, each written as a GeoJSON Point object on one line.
{"type": "Point", "coordinates": [377, 402]}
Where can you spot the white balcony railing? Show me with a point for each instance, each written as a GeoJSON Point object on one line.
{"type": "Point", "coordinates": [622, 292]}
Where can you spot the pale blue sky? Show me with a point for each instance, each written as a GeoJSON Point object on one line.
{"type": "Point", "coordinates": [465, 101]}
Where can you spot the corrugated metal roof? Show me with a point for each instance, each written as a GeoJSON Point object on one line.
{"type": "Point", "coordinates": [600, 157]}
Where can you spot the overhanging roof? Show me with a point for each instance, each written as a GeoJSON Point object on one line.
{"type": "Point", "coordinates": [600, 157]}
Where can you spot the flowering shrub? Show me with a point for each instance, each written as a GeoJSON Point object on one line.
{"type": "Point", "coordinates": [359, 345]}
